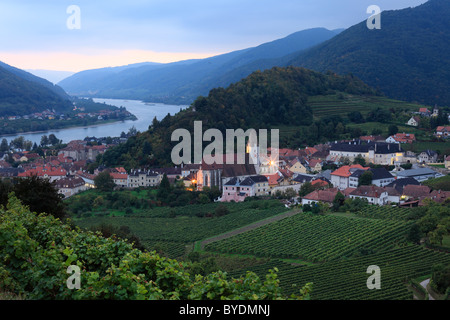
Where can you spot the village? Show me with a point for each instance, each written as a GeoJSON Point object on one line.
{"type": "Point", "coordinates": [357, 169]}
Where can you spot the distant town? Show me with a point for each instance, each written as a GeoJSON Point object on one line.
{"type": "Point", "coordinates": [373, 168]}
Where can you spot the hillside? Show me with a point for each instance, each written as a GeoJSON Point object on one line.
{"type": "Point", "coordinates": [407, 59]}
{"type": "Point", "coordinates": [184, 81]}
{"type": "Point", "coordinates": [271, 99]}
{"type": "Point", "coordinates": [23, 93]}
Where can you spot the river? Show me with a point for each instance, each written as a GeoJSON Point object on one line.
{"type": "Point", "coordinates": [145, 112]}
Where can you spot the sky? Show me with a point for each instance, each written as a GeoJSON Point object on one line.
{"type": "Point", "coordinates": [49, 35]}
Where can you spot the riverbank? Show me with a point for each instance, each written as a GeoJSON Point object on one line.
{"type": "Point", "coordinates": [56, 125]}
{"type": "Point", "coordinates": [144, 113]}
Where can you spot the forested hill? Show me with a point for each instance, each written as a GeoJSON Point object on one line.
{"type": "Point", "coordinates": [183, 81]}
{"type": "Point", "coordinates": [408, 58]}
{"type": "Point", "coordinates": [22, 93]}
{"type": "Point", "coordinates": [268, 99]}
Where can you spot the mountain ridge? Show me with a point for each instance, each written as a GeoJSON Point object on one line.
{"type": "Point", "coordinates": [191, 78]}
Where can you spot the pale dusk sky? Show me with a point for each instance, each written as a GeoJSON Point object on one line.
{"type": "Point", "coordinates": [35, 34]}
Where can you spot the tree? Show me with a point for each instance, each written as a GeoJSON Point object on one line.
{"type": "Point", "coordinates": [338, 201]}
{"type": "Point", "coordinates": [359, 159]}
{"type": "Point", "coordinates": [164, 188]}
{"type": "Point", "coordinates": [4, 146]}
{"type": "Point", "coordinates": [305, 189]}
{"type": "Point", "coordinates": [53, 140]}
{"type": "Point", "coordinates": [40, 195]}
{"type": "Point", "coordinates": [104, 182]}
{"type": "Point", "coordinates": [18, 142]}
{"type": "Point", "coordinates": [414, 234]}
{"type": "Point", "coordinates": [366, 178]}
{"type": "Point", "coordinates": [393, 129]}
{"type": "Point", "coordinates": [440, 277]}
{"type": "Point", "coordinates": [44, 141]}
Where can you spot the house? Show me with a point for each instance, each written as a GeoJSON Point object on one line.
{"type": "Point", "coordinates": [401, 138]}
{"type": "Point", "coordinates": [120, 179]}
{"type": "Point", "coordinates": [9, 172]}
{"type": "Point", "coordinates": [301, 179]}
{"type": "Point", "coordinates": [414, 121]}
{"type": "Point", "coordinates": [447, 162]}
{"type": "Point", "coordinates": [320, 183]}
{"type": "Point", "coordinates": [420, 174]}
{"type": "Point", "coordinates": [394, 196]}
{"type": "Point", "coordinates": [190, 168]}
{"type": "Point", "coordinates": [415, 192]}
{"type": "Point", "coordinates": [324, 196]}
{"type": "Point", "coordinates": [439, 196]}
{"type": "Point", "coordinates": [70, 186]}
{"type": "Point", "coordinates": [375, 152]}
{"type": "Point", "coordinates": [428, 156]}
{"type": "Point", "coordinates": [46, 172]}
{"type": "Point", "coordinates": [442, 131]}
{"type": "Point", "coordinates": [373, 194]}
{"type": "Point", "coordinates": [315, 165]}
{"type": "Point", "coordinates": [340, 178]}
{"type": "Point", "coordinates": [298, 166]}
{"type": "Point", "coordinates": [87, 178]}
{"type": "Point", "coordinates": [237, 190]}
{"type": "Point", "coordinates": [424, 112]}
{"type": "Point", "coordinates": [216, 174]}
{"type": "Point", "coordinates": [143, 178]}
{"type": "Point", "coordinates": [399, 184]}
{"type": "Point", "coordinates": [381, 177]}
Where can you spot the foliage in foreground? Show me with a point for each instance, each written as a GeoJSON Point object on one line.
{"type": "Point", "coordinates": [38, 248]}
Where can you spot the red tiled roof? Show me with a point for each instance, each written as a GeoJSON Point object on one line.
{"type": "Point", "coordinates": [327, 195]}
{"type": "Point", "coordinates": [416, 191]}
{"type": "Point", "coordinates": [118, 176]}
{"type": "Point", "coordinates": [319, 183]}
{"type": "Point", "coordinates": [273, 178]}
{"type": "Point", "coordinates": [344, 171]}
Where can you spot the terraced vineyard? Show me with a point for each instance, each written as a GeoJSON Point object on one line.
{"type": "Point", "coordinates": [316, 238]}
{"type": "Point", "coordinates": [346, 279]}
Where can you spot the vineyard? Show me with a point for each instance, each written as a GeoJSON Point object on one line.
{"type": "Point", "coordinates": [316, 238]}
{"type": "Point", "coordinates": [378, 212]}
{"type": "Point", "coordinates": [324, 106]}
{"type": "Point", "coordinates": [346, 279]}
{"type": "Point", "coordinates": [157, 229]}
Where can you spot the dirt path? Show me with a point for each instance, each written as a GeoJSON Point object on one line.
{"type": "Point", "coordinates": [249, 227]}
{"type": "Point", "coordinates": [425, 284]}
